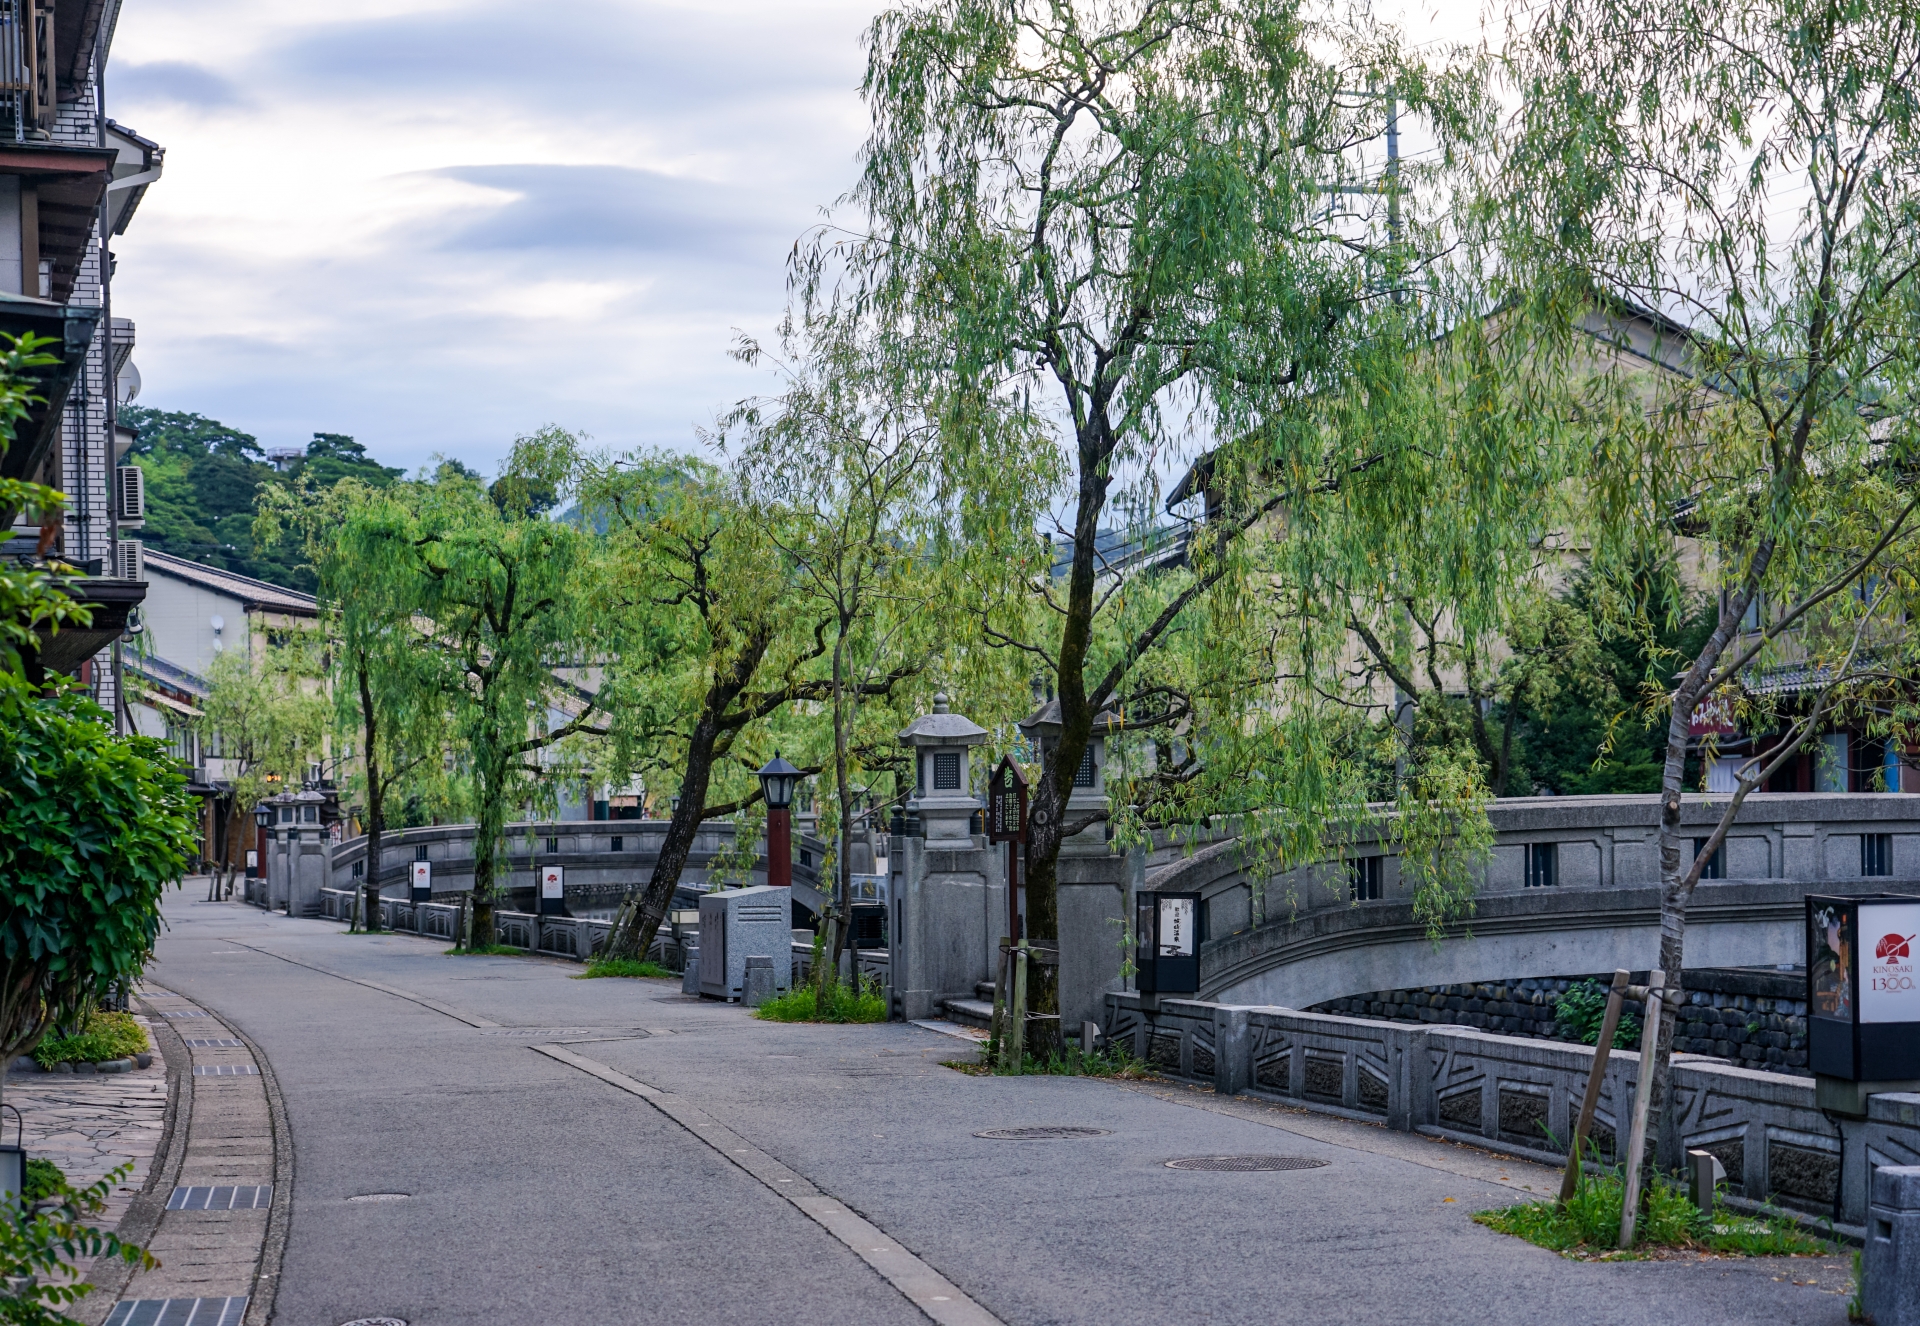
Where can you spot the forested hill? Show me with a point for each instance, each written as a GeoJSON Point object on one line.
{"type": "Point", "coordinates": [202, 481]}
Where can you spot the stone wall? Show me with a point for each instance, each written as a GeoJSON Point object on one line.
{"type": "Point", "coordinates": [1756, 1019]}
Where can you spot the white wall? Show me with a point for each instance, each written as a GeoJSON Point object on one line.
{"type": "Point", "coordinates": [179, 620]}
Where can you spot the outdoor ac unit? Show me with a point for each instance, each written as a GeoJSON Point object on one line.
{"type": "Point", "coordinates": [131, 560]}
{"type": "Point", "coordinates": [130, 494]}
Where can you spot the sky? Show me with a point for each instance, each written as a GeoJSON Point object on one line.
{"type": "Point", "coordinates": [440, 224]}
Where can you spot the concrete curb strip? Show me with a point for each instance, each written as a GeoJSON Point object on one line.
{"type": "Point", "coordinates": [919, 1283]}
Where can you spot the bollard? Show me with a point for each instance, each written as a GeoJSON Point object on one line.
{"type": "Point", "coordinates": [690, 978]}
{"type": "Point", "coordinates": [1704, 1174]}
{"type": "Point", "coordinates": [759, 981]}
{"type": "Point", "coordinates": [1890, 1265]}
{"type": "Point", "coordinates": [1089, 1037]}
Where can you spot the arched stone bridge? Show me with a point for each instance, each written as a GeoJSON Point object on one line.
{"type": "Point", "coordinates": [1600, 910]}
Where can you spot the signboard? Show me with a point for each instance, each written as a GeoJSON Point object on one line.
{"type": "Point", "coordinates": [423, 881]}
{"type": "Point", "coordinates": [1713, 716]}
{"type": "Point", "coordinates": [1176, 926]}
{"type": "Point", "coordinates": [1007, 804]}
{"type": "Point", "coordinates": [1889, 991]}
{"type": "Point", "coordinates": [553, 890]}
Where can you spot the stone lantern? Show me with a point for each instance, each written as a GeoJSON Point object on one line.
{"type": "Point", "coordinates": [943, 783]}
{"type": "Point", "coordinates": [1043, 728]}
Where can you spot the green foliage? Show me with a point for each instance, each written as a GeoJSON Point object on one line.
{"type": "Point", "coordinates": [1589, 1224]}
{"type": "Point", "coordinates": [623, 967]}
{"type": "Point", "coordinates": [486, 951]}
{"type": "Point", "coordinates": [840, 1003]}
{"type": "Point", "coordinates": [93, 827]}
{"type": "Point", "coordinates": [105, 1036]}
{"type": "Point", "coordinates": [44, 1179]}
{"type": "Point", "coordinates": [1111, 1060]}
{"type": "Point", "coordinates": [266, 712]}
{"type": "Point", "coordinates": [40, 1244]}
{"type": "Point", "coordinates": [204, 479]}
{"type": "Point", "coordinates": [1582, 1008]}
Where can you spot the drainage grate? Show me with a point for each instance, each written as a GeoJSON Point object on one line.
{"type": "Point", "coordinates": [225, 1070]}
{"type": "Point", "coordinates": [1046, 1133]}
{"type": "Point", "coordinates": [221, 1199]}
{"type": "Point", "coordinates": [1245, 1164]}
{"type": "Point", "coordinates": [178, 1312]}
{"type": "Point", "coordinates": [207, 1042]}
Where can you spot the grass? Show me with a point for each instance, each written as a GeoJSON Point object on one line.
{"type": "Point", "coordinates": [487, 951]}
{"type": "Point", "coordinates": [44, 1179]}
{"type": "Point", "coordinates": [622, 967]}
{"type": "Point", "coordinates": [105, 1036]}
{"type": "Point", "coordinates": [843, 1004]}
{"type": "Point", "coordinates": [1588, 1226]}
{"type": "Point", "coordinates": [1112, 1061]}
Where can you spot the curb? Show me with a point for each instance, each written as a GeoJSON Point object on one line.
{"type": "Point", "coordinates": [266, 1277]}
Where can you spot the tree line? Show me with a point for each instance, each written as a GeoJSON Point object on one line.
{"type": "Point", "coordinates": [1507, 460]}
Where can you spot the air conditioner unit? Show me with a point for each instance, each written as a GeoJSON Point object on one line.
{"type": "Point", "coordinates": [130, 495]}
{"type": "Point", "coordinates": [130, 562]}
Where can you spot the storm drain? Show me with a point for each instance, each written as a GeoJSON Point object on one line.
{"type": "Point", "coordinates": [1244, 1164]}
{"type": "Point", "coordinates": [1048, 1133]}
{"type": "Point", "coordinates": [206, 1042]}
{"type": "Point", "coordinates": [221, 1199]}
{"type": "Point", "coordinates": [225, 1070]}
{"type": "Point", "coordinates": [178, 1312]}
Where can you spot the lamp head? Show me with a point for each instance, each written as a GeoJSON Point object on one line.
{"type": "Point", "coordinates": [777, 781]}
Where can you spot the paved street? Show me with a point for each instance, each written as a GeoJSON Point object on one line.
{"type": "Point", "coordinates": [575, 1189]}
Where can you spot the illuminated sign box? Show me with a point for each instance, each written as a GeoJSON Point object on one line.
{"type": "Point", "coordinates": [1167, 943]}
{"type": "Point", "coordinates": [1863, 987]}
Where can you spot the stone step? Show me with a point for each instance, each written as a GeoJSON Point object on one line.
{"type": "Point", "coordinates": [970, 1012]}
{"type": "Point", "coordinates": [984, 990]}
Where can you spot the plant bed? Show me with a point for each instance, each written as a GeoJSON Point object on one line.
{"type": "Point", "coordinates": [1113, 1061]}
{"type": "Point", "coordinates": [843, 1003]}
{"type": "Point", "coordinates": [105, 1038]}
{"type": "Point", "coordinates": [488, 951]}
{"type": "Point", "coordinates": [624, 967]}
{"type": "Point", "coordinates": [1587, 1228]}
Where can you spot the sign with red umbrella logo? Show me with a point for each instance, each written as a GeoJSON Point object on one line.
{"type": "Point", "coordinates": [1892, 948]}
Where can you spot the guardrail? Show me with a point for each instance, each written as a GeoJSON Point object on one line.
{"type": "Point", "coordinates": [1519, 1096]}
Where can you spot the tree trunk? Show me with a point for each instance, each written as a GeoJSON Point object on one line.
{"type": "Point", "coordinates": [376, 802]}
{"type": "Point", "coordinates": [486, 848]}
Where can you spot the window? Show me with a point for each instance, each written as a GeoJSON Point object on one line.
{"type": "Point", "coordinates": [619, 843]}
{"type": "Point", "coordinates": [946, 771]}
{"type": "Point", "coordinates": [553, 845]}
{"type": "Point", "coordinates": [1876, 854]}
{"type": "Point", "coordinates": [1716, 867]}
{"type": "Point", "coordinates": [1363, 878]}
{"type": "Point", "coordinates": [359, 869]}
{"type": "Point", "coordinates": [1543, 865]}
{"type": "Point", "coordinates": [1083, 776]}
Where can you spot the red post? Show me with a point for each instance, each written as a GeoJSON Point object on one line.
{"type": "Point", "coordinates": [780, 848]}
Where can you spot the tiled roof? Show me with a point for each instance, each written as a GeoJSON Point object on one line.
{"type": "Point", "coordinates": [253, 593]}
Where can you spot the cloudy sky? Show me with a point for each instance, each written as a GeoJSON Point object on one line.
{"type": "Point", "coordinates": [436, 224]}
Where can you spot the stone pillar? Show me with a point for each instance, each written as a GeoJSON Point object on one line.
{"type": "Point", "coordinates": [1890, 1264]}
{"type": "Point", "coordinates": [1232, 1051]}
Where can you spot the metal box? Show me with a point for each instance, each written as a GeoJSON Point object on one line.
{"type": "Point", "coordinates": [737, 924]}
{"type": "Point", "coordinates": [1167, 943]}
{"type": "Point", "coordinates": [1863, 987]}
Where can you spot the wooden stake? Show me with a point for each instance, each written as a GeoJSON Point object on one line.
{"type": "Point", "coordinates": [1616, 996]}
{"type": "Point", "coordinates": [1637, 1137]}
{"type": "Point", "coordinates": [1013, 1046]}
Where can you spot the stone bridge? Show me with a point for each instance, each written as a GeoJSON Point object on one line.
{"type": "Point", "coordinates": [1571, 889]}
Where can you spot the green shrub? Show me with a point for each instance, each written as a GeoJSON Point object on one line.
{"type": "Point", "coordinates": [105, 1036]}
{"type": "Point", "coordinates": [487, 951]}
{"type": "Point", "coordinates": [39, 1249]}
{"type": "Point", "coordinates": [843, 1004]}
{"type": "Point", "coordinates": [622, 967]}
{"type": "Point", "coordinates": [44, 1179]}
{"type": "Point", "coordinates": [1582, 1009]}
{"type": "Point", "coordinates": [1589, 1224]}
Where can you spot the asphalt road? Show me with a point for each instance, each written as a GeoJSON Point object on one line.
{"type": "Point", "coordinates": [536, 1192]}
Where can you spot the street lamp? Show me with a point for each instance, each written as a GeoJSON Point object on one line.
{"type": "Point", "coordinates": [777, 781]}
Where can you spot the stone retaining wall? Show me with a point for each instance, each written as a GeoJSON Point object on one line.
{"type": "Point", "coordinates": [1753, 1019]}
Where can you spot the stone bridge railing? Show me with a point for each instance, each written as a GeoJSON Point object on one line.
{"type": "Point", "coordinates": [1589, 902]}
{"type": "Point", "coordinates": [1518, 1095]}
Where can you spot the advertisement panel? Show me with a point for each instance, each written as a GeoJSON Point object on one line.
{"type": "Point", "coordinates": [1889, 936]}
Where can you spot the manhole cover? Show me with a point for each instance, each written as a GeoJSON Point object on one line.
{"type": "Point", "coordinates": [374, 1321]}
{"type": "Point", "coordinates": [1049, 1133]}
{"type": "Point", "coordinates": [381, 1197]}
{"type": "Point", "coordinates": [1244, 1164]}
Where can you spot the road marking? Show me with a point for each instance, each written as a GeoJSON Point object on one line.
{"type": "Point", "coordinates": [921, 1285]}
{"type": "Point", "coordinates": [433, 1004]}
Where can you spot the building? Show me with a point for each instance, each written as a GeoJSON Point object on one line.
{"type": "Point", "coordinates": [70, 180]}
{"type": "Point", "coordinates": [192, 615]}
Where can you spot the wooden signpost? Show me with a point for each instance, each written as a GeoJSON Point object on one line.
{"type": "Point", "coordinates": [1007, 823]}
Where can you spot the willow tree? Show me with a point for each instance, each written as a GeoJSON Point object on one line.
{"type": "Point", "coordinates": [1741, 181]}
{"type": "Point", "coordinates": [389, 706]}
{"type": "Point", "coordinates": [507, 591]}
{"type": "Point", "coordinates": [1119, 221]}
{"type": "Point", "coordinates": [266, 715]}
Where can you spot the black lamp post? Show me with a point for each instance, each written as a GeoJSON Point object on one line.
{"type": "Point", "coordinates": [262, 817]}
{"type": "Point", "coordinates": [777, 781]}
